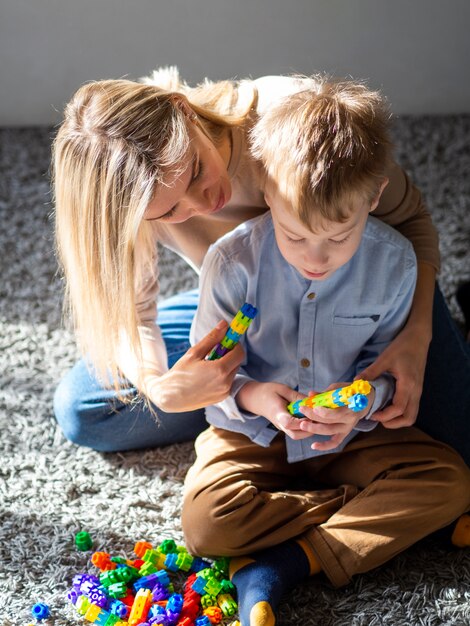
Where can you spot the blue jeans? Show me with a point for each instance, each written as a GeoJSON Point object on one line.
{"type": "Point", "coordinates": [444, 410]}
{"type": "Point", "coordinates": [92, 417]}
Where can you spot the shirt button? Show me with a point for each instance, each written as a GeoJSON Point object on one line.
{"type": "Point", "coordinates": [305, 363]}
{"type": "Point", "coordinates": [311, 295]}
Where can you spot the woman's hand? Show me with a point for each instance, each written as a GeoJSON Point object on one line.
{"type": "Point", "coordinates": [193, 383]}
{"type": "Point", "coordinates": [334, 423]}
{"type": "Point", "coordinates": [270, 400]}
{"type": "Point", "coordinates": [405, 358]}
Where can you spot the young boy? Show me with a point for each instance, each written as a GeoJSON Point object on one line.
{"type": "Point", "coordinates": [332, 286]}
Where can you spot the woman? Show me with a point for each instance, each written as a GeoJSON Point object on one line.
{"type": "Point", "coordinates": [136, 164]}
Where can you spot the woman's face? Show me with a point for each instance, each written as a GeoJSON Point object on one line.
{"type": "Point", "coordinates": [201, 187]}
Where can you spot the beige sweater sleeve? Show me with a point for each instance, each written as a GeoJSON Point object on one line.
{"type": "Point", "coordinates": [402, 207]}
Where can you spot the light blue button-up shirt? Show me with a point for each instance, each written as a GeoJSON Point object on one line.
{"type": "Point", "coordinates": [307, 334]}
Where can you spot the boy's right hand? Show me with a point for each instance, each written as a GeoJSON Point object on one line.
{"type": "Point", "coordinates": [270, 400]}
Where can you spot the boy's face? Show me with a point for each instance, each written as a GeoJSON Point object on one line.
{"type": "Point", "coordinates": [317, 255]}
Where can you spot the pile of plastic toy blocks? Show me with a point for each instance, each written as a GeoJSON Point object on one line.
{"type": "Point", "coordinates": [139, 591]}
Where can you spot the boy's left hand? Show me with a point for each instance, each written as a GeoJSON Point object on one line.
{"type": "Point", "coordinates": [335, 423]}
{"type": "Point", "coordinates": [270, 400]}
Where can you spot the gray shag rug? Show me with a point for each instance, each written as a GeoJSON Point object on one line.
{"type": "Point", "coordinates": [51, 489]}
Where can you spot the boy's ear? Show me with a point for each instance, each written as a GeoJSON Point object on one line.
{"type": "Point", "coordinates": [376, 200]}
{"type": "Point", "coordinates": [182, 103]}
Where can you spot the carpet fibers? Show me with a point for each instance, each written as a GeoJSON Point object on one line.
{"type": "Point", "coordinates": [51, 489]}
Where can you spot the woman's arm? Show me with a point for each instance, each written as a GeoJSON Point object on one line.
{"type": "Point", "coordinates": [401, 206]}
{"type": "Point", "coordinates": [405, 358]}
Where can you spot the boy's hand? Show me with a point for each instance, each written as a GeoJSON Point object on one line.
{"type": "Point", "coordinates": [335, 423]}
{"type": "Point", "coordinates": [270, 400]}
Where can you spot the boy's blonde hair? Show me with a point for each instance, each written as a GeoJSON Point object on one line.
{"type": "Point", "coordinates": [323, 146]}
{"type": "Point", "coordinates": [117, 142]}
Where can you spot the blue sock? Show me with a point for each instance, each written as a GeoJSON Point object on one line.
{"type": "Point", "coordinates": [261, 584]}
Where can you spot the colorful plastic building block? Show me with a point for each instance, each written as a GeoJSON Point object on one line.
{"type": "Point", "coordinates": [155, 557]}
{"type": "Point", "coordinates": [83, 541]}
{"type": "Point", "coordinates": [40, 611]}
{"type": "Point", "coordinates": [119, 609]}
{"type": "Point", "coordinates": [208, 600]}
{"type": "Point", "coordinates": [227, 604]}
{"type": "Point", "coordinates": [214, 613]}
{"type": "Point", "coordinates": [354, 396]}
{"type": "Point", "coordinates": [184, 561]}
{"type": "Point", "coordinates": [207, 583]}
{"type": "Point", "coordinates": [220, 566]}
{"type": "Point", "coordinates": [171, 562]}
{"type": "Point", "coordinates": [167, 546]}
{"type": "Point", "coordinates": [227, 586]}
{"type": "Point", "coordinates": [198, 564]}
{"type": "Point", "coordinates": [117, 590]}
{"type": "Point", "coordinates": [141, 548]}
{"type": "Point", "coordinates": [93, 612]}
{"type": "Point", "coordinates": [141, 606]}
{"type": "Point", "coordinates": [238, 326]}
{"type": "Point", "coordinates": [102, 560]}
{"type": "Point", "coordinates": [82, 605]}
{"type": "Point", "coordinates": [159, 592]}
{"type": "Point", "coordinates": [174, 607]}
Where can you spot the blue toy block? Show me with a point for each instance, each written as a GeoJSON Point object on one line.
{"type": "Point", "coordinates": [40, 611]}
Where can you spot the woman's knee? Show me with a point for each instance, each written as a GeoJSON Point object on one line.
{"type": "Point", "coordinates": [81, 408]}
{"type": "Point", "coordinates": [67, 412]}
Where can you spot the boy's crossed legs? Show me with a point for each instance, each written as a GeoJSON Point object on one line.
{"type": "Point", "coordinates": [395, 487]}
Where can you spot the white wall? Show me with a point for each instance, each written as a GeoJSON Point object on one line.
{"type": "Point", "coordinates": [417, 51]}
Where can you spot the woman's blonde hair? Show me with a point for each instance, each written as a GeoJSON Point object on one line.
{"type": "Point", "coordinates": [323, 145]}
{"type": "Point", "coordinates": [117, 141]}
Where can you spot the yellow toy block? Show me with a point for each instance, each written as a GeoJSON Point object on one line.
{"type": "Point", "coordinates": [93, 612]}
{"type": "Point", "coordinates": [140, 607]}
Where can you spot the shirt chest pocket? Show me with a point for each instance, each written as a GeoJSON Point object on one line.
{"type": "Point", "coordinates": [356, 320]}
{"type": "Point", "coordinates": [353, 332]}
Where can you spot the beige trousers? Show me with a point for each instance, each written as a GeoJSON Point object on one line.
{"type": "Point", "coordinates": [357, 508]}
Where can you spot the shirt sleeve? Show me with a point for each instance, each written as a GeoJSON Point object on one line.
{"type": "Point", "coordinates": [402, 207]}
